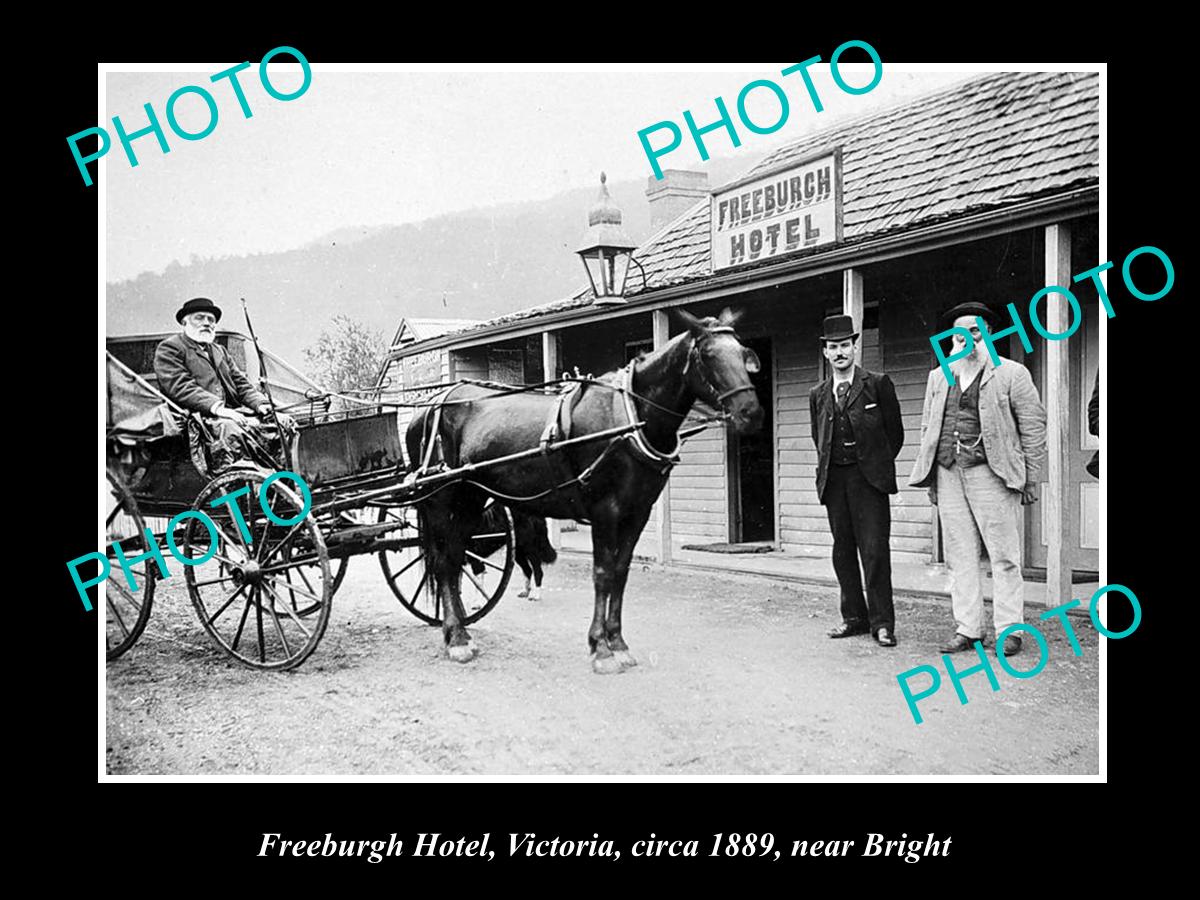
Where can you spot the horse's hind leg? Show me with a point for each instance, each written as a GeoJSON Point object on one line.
{"type": "Point", "coordinates": [523, 562]}
{"type": "Point", "coordinates": [536, 592]}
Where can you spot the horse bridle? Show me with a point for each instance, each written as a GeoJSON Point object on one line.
{"type": "Point", "coordinates": [702, 369]}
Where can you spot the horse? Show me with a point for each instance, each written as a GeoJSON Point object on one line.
{"type": "Point", "coordinates": [531, 546]}
{"type": "Point", "coordinates": [611, 484]}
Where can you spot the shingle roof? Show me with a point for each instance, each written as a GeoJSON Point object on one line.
{"type": "Point", "coordinates": [423, 329]}
{"type": "Point", "coordinates": [977, 145]}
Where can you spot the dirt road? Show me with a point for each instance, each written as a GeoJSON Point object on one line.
{"type": "Point", "coordinates": [736, 677]}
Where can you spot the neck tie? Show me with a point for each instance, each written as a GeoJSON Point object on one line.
{"type": "Point", "coordinates": [843, 389]}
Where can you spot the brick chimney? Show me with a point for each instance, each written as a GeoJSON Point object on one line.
{"type": "Point", "coordinates": [671, 195]}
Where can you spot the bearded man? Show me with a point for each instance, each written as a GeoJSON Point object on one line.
{"type": "Point", "coordinates": [197, 374]}
{"type": "Point", "coordinates": [983, 442]}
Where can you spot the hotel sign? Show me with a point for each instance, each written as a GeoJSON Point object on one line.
{"type": "Point", "coordinates": [778, 213]}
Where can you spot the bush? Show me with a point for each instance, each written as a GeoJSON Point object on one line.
{"type": "Point", "coordinates": [347, 356]}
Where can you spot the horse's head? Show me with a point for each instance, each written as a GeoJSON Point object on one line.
{"type": "Point", "coordinates": [719, 369]}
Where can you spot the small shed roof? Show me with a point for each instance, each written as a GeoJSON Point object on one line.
{"type": "Point", "coordinates": [411, 330]}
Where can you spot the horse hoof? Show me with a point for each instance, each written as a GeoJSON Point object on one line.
{"type": "Point", "coordinates": [461, 654]}
{"type": "Point", "coordinates": [605, 665]}
{"type": "Point", "coordinates": [523, 594]}
{"type": "Point", "coordinates": [535, 595]}
{"type": "Point", "coordinates": [625, 658]}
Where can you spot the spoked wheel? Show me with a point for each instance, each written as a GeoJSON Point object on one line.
{"type": "Point", "coordinates": [264, 600]}
{"type": "Point", "coordinates": [126, 610]}
{"type": "Point", "coordinates": [340, 566]}
{"type": "Point", "coordinates": [485, 576]}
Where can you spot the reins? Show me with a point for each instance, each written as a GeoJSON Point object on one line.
{"type": "Point", "coordinates": [636, 438]}
{"type": "Point", "coordinates": [504, 390]}
{"type": "Point", "coordinates": [664, 461]}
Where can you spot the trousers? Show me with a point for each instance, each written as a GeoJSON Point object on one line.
{"type": "Point", "coordinates": [229, 442]}
{"type": "Point", "coordinates": [974, 506]}
{"type": "Point", "coordinates": [860, 517]}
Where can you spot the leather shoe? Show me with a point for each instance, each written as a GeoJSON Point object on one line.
{"type": "Point", "coordinates": [958, 644]}
{"type": "Point", "coordinates": [885, 638]}
{"type": "Point", "coordinates": [1012, 645]}
{"type": "Point", "coordinates": [848, 629]}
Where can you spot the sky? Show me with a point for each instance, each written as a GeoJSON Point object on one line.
{"type": "Point", "coordinates": [384, 148]}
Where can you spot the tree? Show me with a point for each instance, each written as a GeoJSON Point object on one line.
{"type": "Point", "coordinates": [347, 356]}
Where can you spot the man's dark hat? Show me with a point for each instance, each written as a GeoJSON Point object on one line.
{"type": "Point", "coordinates": [197, 304]}
{"type": "Point", "coordinates": [838, 328]}
{"type": "Point", "coordinates": [971, 308]}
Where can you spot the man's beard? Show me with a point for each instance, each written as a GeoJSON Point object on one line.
{"type": "Point", "coordinates": [204, 337]}
{"type": "Point", "coordinates": [971, 358]}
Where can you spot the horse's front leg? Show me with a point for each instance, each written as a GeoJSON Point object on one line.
{"type": "Point", "coordinates": [603, 567]}
{"type": "Point", "coordinates": [612, 625]}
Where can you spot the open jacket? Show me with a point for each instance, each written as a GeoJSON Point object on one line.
{"type": "Point", "coordinates": [874, 414]}
{"type": "Point", "coordinates": [186, 376]}
{"type": "Point", "coordinates": [1011, 417]}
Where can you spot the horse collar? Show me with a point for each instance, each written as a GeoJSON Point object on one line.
{"type": "Point", "coordinates": [660, 460]}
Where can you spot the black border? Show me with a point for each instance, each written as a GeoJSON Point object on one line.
{"type": "Point", "coordinates": [1145, 417]}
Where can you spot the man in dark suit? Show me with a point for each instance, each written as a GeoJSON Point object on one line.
{"type": "Point", "coordinates": [196, 373]}
{"type": "Point", "coordinates": [858, 431]}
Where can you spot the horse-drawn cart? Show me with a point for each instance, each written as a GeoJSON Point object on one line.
{"type": "Point", "coordinates": [264, 574]}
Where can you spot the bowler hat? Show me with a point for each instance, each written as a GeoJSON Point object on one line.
{"type": "Point", "coordinates": [838, 328]}
{"type": "Point", "coordinates": [197, 304]}
{"type": "Point", "coordinates": [971, 308]}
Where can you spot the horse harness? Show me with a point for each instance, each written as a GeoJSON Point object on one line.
{"type": "Point", "coordinates": [558, 422]}
{"type": "Point", "coordinates": [558, 426]}
{"type": "Point", "coordinates": [718, 396]}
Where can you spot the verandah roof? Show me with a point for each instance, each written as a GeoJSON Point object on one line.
{"type": "Point", "coordinates": [979, 145]}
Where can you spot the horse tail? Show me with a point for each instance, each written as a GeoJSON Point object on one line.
{"type": "Point", "coordinates": [430, 520]}
{"type": "Point", "coordinates": [431, 512]}
{"type": "Point", "coordinates": [414, 438]}
{"type": "Point", "coordinates": [542, 548]}
{"type": "Point", "coordinates": [494, 522]}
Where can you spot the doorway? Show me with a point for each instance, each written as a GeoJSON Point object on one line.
{"type": "Point", "coordinates": [752, 506]}
{"type": "Point", "coordinates": [1082, 513]}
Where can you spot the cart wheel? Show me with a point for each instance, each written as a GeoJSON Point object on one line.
{"type": "Point", "coordinates": [490, 551]}
{"type": "Point", "coordinates": [127, 611]}
{"type": "Point", "coordinates": [340, 565]}
{"type": "Point", "coordinates": [265, 601]}
{"type": "Point", "coordinates": [354, 516]}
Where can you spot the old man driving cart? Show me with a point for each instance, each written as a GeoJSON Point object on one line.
{"type": "Point", "coordinates": [199, 375]}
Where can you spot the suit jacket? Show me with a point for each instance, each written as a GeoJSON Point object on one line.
{"type": "Point", "coordinates": [1011, 418]}
{"type": "Point", "coordinates": [874, 415]}
{"type": "Point", "coordinates": [187, 376]}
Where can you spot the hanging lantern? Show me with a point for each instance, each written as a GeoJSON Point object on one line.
{"type": "Point", "coordinates": [606, 249]}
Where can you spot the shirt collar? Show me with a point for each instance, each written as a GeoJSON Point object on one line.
{"type": "Point", "coordinates": [850, 380]}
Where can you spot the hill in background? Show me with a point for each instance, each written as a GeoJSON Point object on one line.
{"type": "Point", "coordinates": [474, 264]}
